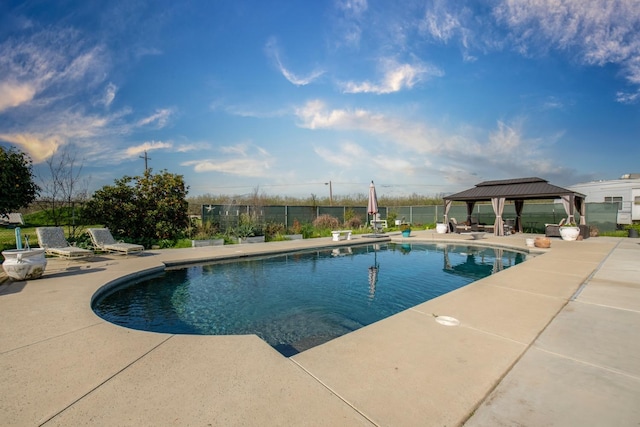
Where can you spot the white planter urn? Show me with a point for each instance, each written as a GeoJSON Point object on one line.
{"type": "Point", "coordinates": [24, 264]}
{"type": "Point", "coordinates": [441, 228]}
{"type": "Point", "coordinates": [569, 233]}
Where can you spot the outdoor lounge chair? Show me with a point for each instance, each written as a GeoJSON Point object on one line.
{"type": "Point", "coordinates": [464, 227]}
{"type": "Point", "coordinates": [54, 243]}
{"type": "Point", "coordinates": [103, 241]}
{"type": "Point", "coordinates": [553, 230]}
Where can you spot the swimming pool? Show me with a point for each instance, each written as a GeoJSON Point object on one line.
{"type": "Point", "coordinates": [299, 300]}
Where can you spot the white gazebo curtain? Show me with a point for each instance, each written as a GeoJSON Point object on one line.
{"type": "Point", "coordinates": [567, 203]}
{"type": "Point", "coordinates": [498, 208]}
{"type": "Point", "coordinates": [447, 207]}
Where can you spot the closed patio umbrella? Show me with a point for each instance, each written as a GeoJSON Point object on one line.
{"type": "Point", "coordinates": [372, 207]}
{"type": "Point", "coordinates": [373, 274]}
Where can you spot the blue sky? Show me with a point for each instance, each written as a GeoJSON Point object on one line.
{"type": "Point", "coordinates": [425, 97]}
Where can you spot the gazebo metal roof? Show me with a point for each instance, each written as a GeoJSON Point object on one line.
{"type": "Point", "coordinates": [513, 189]}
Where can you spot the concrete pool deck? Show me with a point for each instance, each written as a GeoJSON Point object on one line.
{"type": "Point", "coordinates": [552, 341]}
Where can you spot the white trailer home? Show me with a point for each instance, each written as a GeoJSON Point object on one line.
{"type": "Point", "coordinates": [624, 191]}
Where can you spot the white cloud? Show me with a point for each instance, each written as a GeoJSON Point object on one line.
{"type": "Point", "coordinates": [401, 132]}
{"type": "Point", "coordinates": [446, 21]}
{"type": "Point", "coordinates": [241, 160]}
{"type": "Point", "coordinates": [628, 97]}
{"type": "Point", "coordinates": [185, 148]}
{"type": "Point", "coordinates": [146, 147]}
{"type": "Point", "coordinates": [348, 22]}
{"type": "Point", "coordinates": [349, 155]}
{"type": "Point", "coordinates": [13, 94]}
{"type": "Point", "coordinates": [418, 149]}
{"type": "Point", "coordinates": [353, 8]}
{"type": "Point", "coordinates": [55, 58]}
{"type": "Point", "coordinates": [345, 155]}
{"type": "Point", "coordinates": [596, 32]}
{"type": "Point", "coordinates": [160, 118]}
{"type": "Point", "coordinates": [39, 147]}
{"type": "Point", "coordinates": [109, 94]}
{"type": "Point", "coordinates": [440, 23]}
{"type": "Point", "coordinates": [396, 77]}
{"type": "Point", "coordinates": [273, 51]}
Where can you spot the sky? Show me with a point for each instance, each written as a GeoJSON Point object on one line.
{"type": "Point", "coordinates": [283, 97]}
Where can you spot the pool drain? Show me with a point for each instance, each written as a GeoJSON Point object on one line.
{"type": "Point", "coordinates": [447, 321]}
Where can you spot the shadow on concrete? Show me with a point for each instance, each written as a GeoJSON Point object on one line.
{"type": "Point", "coordinates": [9, 287]}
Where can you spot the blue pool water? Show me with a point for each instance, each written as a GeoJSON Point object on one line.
{"type": "Point", "coordinates": [299, 300]}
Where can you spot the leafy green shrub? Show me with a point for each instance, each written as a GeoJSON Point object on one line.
{"type": "Point", "coordinates": [632, 226]}
{"type": "Point", "coordinates": [391, 218]}
{"type": "Point", "coordinates": [150, 208]}
{"type": "Point", "coordinates": [307, 230]}
{"type": "Point", "coordinates": [16, 175]}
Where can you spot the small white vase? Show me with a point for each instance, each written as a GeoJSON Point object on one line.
{"type": "Point", "coordinates": [24, 264]}
{"type": "Point", "coordinates": [569, 233]}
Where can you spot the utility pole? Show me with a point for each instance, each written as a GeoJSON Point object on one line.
{"type": "Point", "coordinates": [330, 193]}
{"type": "Point", "coordinates": [146, 160]}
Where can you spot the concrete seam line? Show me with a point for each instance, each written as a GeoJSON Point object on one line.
{"type": "Point", "coordinates": [52, 338]}
{"type": "Point", "coordinates": [595, 270]}
{"type": "Point", "coordinates": [527, 347]}
{"type": "Point", "coordinates": [607, 306]}
{"type": "Point", "coordinates": [593, 365]}
{"type": "Point", "coordinates": [104, 382]}
{"type": "Point", "coordinates": [332, 391]}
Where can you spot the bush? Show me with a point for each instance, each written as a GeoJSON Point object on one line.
{"type": "Point", "coordinates": [273, 229]}
{"type": "Point", "coordinates": [326, 222]}
{"type": "Point", "coordinates": [146, 209]}
{"type": "Point", "coordinates": [296, 227]}
{"type": "Point", "coordinates": [354, 222]}
{"type": "Point", "coordinates": [391, 218]}
{"type": "Point", "coordinates": [307, 231]}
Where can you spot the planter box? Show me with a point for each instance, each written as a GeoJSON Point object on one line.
{"type": "Point", "coordinates": [211, 242]}
{"type": "Point", "coordinates": [255, 239]}
{"type": "Point", "coordinates": [293, 236]}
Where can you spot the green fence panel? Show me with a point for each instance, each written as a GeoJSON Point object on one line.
{"type": "Point", "coordinates": [534, 215]}
{"type": "Point", "coordinates": [603, 216]}
{"type": "Point", "coordinates": [300, 214]}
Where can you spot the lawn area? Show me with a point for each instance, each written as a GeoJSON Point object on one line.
{"type": "Point", "coordinates": [8, 236]}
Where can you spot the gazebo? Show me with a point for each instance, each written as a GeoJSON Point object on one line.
{"type": "Point", "coordinates": [516, 190]}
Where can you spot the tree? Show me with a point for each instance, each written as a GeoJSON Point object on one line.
{"type": "Point", "coordinates": [17, 186]}
{"type": "Point", "coordinates": [145, 209]}
{"type": "Point", "coordinates": [64, 190]}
